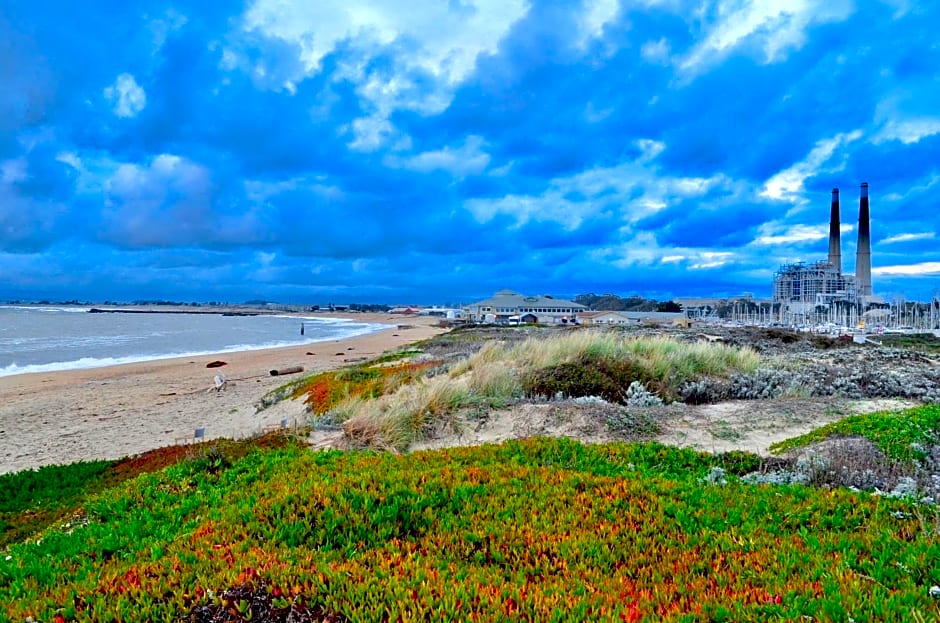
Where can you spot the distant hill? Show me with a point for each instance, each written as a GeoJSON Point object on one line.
{"type": "Point", "coordinates": [612, 302]}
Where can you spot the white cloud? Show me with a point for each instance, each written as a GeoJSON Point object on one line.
{"type": "Point", "coordinates": [161, 27]}
{"type": "Point", "coordinates": [712, 259]}
{"type": "Point", "coordinates": [138, 200]}
{"type": "Point", "coordinates": [787, 184]}
{"type": "Point", "coordinates": [930, 182]}
{"type": "Point", "coordinates": [440, 40]}
{"type": "Point", "coordinates": [924, 268]}
{"type": "Point", "coordinates": [633, 190]}
{"type": "Point", "coordinates": [594, 115]}
{"type": "Point", "coordinates": [13, 171]}
{"type": "Point", "coordinates": [908, 131]}
{"type": "Point", "coordinates": [371, 133]}
{"type": "Point", "coordinates": [906, 115]}
{"type": "Point", "coordinates": [901, 7]}
{"type": "Point", "coordinates": [259, 192]}
{"type": "Point", "coordinates": [597, 13]}
{"type": "Point", "coordinates": [171, 201]}
{"type": "Point", "coordinates": [656, 51]}
{"type": "Point", "coordinates": [909, 237]}
{"type": "Point", "coordinates": [265, 259]}
{"type": "Point", "coordinates": [448, 35]}
{"type": "Point", "coordinates": [771, 234]}
{"type": "Point", "coordinates": [650, 148]}
{"type": "Point", "coordinates": [127, 97]}
{"type": "Point", "coordinates": [777, 26]}
{"type": "Point", "coordinates": [468, 159]}
{"type": "Point", "coordinates": [149, 186]}
{"type": "Point", "coordinates": [644, 250]}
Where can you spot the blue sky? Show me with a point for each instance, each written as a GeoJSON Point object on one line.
{"type": "Point", "coordinates": [430, 151]}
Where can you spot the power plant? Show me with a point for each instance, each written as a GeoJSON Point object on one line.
{"type": "Point", "coordinates": [863, 255]}
{"type": "Point", "coordinates": [819, 291]}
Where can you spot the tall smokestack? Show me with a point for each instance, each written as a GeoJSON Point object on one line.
{"type": "Point", "coordinates": [863, 254]}
{"type": "Point", "coordinates": [835, 242]}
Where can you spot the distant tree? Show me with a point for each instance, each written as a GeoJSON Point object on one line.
{"type": "Point", "coordinates": [638, 303]}
{"type": "Point", "coordinates": [669, 306]}
{"type": "Point", "coordinates": [369, 307]}
{"type": "Point", "coordinates": [586, 299]}
{"type": "Point", "coordinates": [612, 302]}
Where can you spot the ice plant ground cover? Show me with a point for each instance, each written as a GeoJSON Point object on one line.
{"type": "Point", "coordinates": [322, 391]}
{"type": "Point", "coordinates": [903, 436]}
{"type": "Point", "coordinates": [537, 530]}
{"type": "Point", "coordinates": [34, 499]}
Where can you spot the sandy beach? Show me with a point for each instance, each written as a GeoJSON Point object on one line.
{"type": "Point", "coordinates": [117, 411]}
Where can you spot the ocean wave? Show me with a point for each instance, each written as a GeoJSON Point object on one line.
{"type": "Point", "coordinates": [78, 364]}
{"type": "Point", "coordinates": [69, 310]}
{"type": "Point", "coordinates": [85, 363]}
{"type": "Point", "coordinates": [319, 319]}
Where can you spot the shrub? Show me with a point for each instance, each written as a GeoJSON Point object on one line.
{"type": "Point", "coordinates": [638, 396]}
{"type": "Point", "coordinates": [631, 424]}
{"type": "Point", "coordinates": [585, 377]}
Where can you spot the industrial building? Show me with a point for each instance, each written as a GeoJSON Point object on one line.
{"type": "Point", "coordinates": [819, 292]}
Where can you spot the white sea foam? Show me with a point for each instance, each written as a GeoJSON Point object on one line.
{"type": "Point", "coordinates": [101, 362]}
{"type": "Point", "coordinates": [70, 310]}
{"type": "Point", "coordinates": [319, 319]}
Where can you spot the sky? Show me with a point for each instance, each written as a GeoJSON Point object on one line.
{"type": "Point", "coordinates": [438, 151]}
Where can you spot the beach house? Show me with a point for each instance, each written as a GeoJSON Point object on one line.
{"type": "Point", "coordinates": [508, 307]}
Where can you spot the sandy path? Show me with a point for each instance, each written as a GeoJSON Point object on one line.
{"type": "Point", "coordinates": [746, 425]}
{"type": "Point", "coordinates": [755, 425]}
{"type": "Point", "coordinates": [107, 413]}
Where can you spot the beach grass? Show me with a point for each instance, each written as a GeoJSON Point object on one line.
{"type": "Point", "coordinates": [571, 364]}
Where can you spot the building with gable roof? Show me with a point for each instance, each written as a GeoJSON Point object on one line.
{"type": "Point", "coordinates": [508, 307]}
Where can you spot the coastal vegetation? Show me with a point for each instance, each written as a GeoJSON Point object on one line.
{"type": "Point", "coordinates": [538, 529]}
{"type": "Point", "coordinates": [926, 342]}
{"type": "Point", "coordinates": [541, 529]}
{"type": "Point", "coordinates": [901, 436]}
{"type": "Point", "coordinates": [392, 407]}
{"type": "Point", "coordinates": [35, 499]}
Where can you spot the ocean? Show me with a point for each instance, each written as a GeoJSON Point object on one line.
{"type": "Point", "coordinates": [46, 339]}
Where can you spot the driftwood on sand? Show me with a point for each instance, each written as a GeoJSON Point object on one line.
{"type": "Point", "coordinates": [287, 370]}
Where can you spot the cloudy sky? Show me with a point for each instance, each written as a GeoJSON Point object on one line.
{"type": "Point", "coordinates": [439, 150]}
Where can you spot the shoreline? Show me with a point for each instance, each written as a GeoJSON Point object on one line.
{"type": "Point", "coordinates": [96, 363]}
{"type": "Point", "coordinates": [121, 410]}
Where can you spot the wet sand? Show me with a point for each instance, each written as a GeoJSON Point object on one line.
{"type": "Point", "coordinates": [117, 411]}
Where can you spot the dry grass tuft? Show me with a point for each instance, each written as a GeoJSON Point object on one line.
{"type": "Point", "coordinates": [499, 373]}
